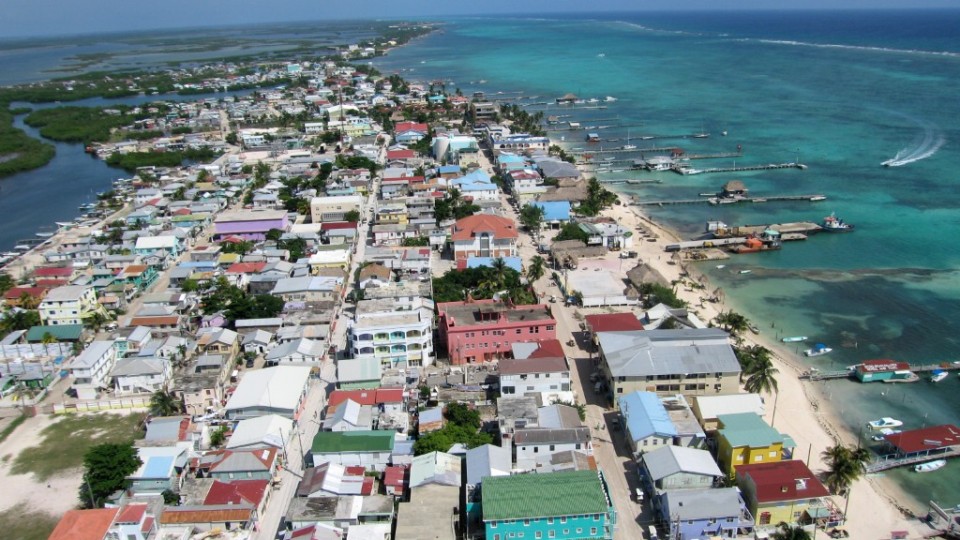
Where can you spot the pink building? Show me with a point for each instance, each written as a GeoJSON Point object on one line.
{"type": "Point", "coordinates": [484, 235]}
{"type": "Point", "coordinates": [484, 330]}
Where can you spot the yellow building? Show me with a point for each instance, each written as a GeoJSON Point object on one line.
{"type": "Point", "coordinates": [392, 214]}
{"type": "Point", "coordinates": [744, 438]}
{"type": "Point", "coordinates": [781, 492]}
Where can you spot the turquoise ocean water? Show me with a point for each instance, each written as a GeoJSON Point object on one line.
{"type": "Point", "coordinates": [841, 91]}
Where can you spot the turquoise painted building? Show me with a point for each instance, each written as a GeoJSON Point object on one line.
{"type": "Point", "coordinates": [570, 505]}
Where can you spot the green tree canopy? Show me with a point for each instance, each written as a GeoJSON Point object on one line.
{"type": "Point", "coordinates": [164, 403]}
{"type": "Point", "coordinates": [105, 469]}
{"type": "Point", "coordinates": [571, 231]}
{"type": "Point", "coordinates": [462, 415]}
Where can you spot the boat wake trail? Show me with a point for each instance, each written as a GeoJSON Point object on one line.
{"type": "Point", "coordinates": [924, 146]}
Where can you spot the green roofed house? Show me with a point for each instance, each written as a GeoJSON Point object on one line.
{"type": "Point", "coordinates": [560, 505]}
{"type": "Point", "coordinates": [744, 438]}
{"type": "Point", "coordinates": [368, 449]}
{"type": "Point", "coordinates": [60, 332]}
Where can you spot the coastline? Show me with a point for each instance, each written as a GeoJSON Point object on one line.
{"type": "Point", "coordinates": [877, 504]}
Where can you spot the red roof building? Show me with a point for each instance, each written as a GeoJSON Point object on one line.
{"type": "Point", "coordinates": [84, 524]}
{"type": "Point", "coordinates": [132, 514]}
{"type": "Point", "coordinates": [54, 272]}
{"type": "Point", "coordinates": [337, 225]}
{"type": "Point", "coordinates": [250, 492]}
{"type": "Point", "coordinates": [394, 480]}
{"type": "Point", "coordinates": [611, 322]}
{"type": "Point", "coordinates": [780, 491]}
{"type": "Point", "coordinates": [411, 126]}
{"type": "Point", "coordinates": [934, 438]}
{"type": "Point", "coordinates": [484, 235]}
{"type": "Point", "coordinates": [401, 155]}
{"type": "Point", "coordinates": [13, 296]}
{"type": "Point", "coordinates": [246, 267]}
{"type": "Point", "coordinates": [366, 397]}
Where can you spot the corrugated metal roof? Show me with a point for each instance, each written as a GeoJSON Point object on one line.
{"type": "Point", "coordinates": [543, 495]}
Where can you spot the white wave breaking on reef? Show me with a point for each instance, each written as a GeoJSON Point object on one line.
{"type": "Point", "coordinates": [947, 54]}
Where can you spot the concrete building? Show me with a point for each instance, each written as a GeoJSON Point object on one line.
{"type": "Point", "coordinates": [708, 408]}
{"type": "Point", "coordinates": [745, 438]}
{"type": "Point", "coordinates": [668, 362]}
{"type": "Point", "coordinates": [91, 369]}
{"type": "Point", "coordinates": [368, 449]}
{"type": "Point", "coordinates": [69, 304]}
{"type": "Point", "coordinates": [397, 339]}
{"type": "Point", "coordinates": [334, 208]}
{"type": "Point", "coordinates": [538, 367]}
{"type": "Point", "coordinates": [564, 505]}
{"type": "Point", "coordinates": [678, 467]}
{"type": "Point", "coordinates": [278, 390]}
{"type": "Point", "coordinates": [250, 225]}
{"type": "Point", "coordinates": [485, 330]}
{"type": "Point", "coordinates": [705, 513]}
{"type": "Point", "coordinates": [484, 235]}
{"type": "Point", "coordinates": [785, 491]}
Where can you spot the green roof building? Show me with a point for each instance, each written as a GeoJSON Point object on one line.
{"type": "Point", "coordinates": [369, 449]}
{"type": "Point", "coordinates": [562, 505]}
{"type": "Point", "coordinates": [60, 332]}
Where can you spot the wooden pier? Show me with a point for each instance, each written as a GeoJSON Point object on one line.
{"type": "Point", "coordinates": [689, 171]}
{"type": "Point", "coordinates": [886, 463]}
{"type": "Point", "coordinates": [715, 200]}
{"type": "Point", "coordinates": [815, 375]}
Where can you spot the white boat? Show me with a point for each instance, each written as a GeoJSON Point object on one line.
{"type": "Point", "coordinates": [818, 350]}
{"type": "Point", "coordinates": [610, 99]}
{"type": "Point", "coordinates": [721, 266]}
{"type": "Point", "coordinates": [939, 375]}
{"type": "Point", "coordinates": [930, 466]}
{"type": "Point", "coordinates": [746, 271]}
{"type": "Point", "coordinates": [794, 339]}
{"type": "Point", "coordinates": [817, 198]}
{"type": "Point", "coordinates": [885, 422]}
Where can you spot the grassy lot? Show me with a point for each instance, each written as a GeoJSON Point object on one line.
{"type": "Point", "coordinates": [65, 442]}
{"type": "Point", "coordinates": [21, 523]}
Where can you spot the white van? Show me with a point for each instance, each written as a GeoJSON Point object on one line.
{"type": "Point", "coordinates": [652, 532]}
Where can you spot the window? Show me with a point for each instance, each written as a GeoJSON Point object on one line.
{"type": "Point", "coordinates": [596, 517]}
{"type": "Point", "coordinates": [773, 453]}
{"type": "Point", "coordinates": [563, 519]}
{"type": "Point", "coordinates": [552, 447]}
{"type": "Point", "coordinates": [538, 535]}
{"type": "Point", "coordinates": [496, 536]}
{"type": "Point", "coordinates": [549, 327]}
{"type": "Point", "coordinates": [526, 522]}
{"type": "Point", "coordinates": [493, 524]}
{"type": "Point", "coordinates": [550, 521]}
{"type": "Point", "coordinates": [551, 534]}
{"type": "Point", "coordinates": [519, 330]}
{"type": "Point", "coordinates": [593, 530]}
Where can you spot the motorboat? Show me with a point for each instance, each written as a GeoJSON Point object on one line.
{"type": "Point", "coordinates": [818, 350]}
{"type": "Point", "coordinates": [885, 422]}
{"type": "Point", "coordinates": [832, 224]}
{"type": "Point", "coordinates": [930, 466]}
{"type": "Point", "coordinates": [817, 198]}
{"type": "Point", "coordinates": [794, 339]}
{"type": "Point", "coordinates": [939, 375]}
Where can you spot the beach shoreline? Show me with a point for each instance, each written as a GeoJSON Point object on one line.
{"type": "Point", "coordinates": [877, 505]}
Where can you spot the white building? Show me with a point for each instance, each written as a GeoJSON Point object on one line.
{"type": "Point", "coordinates": [397, 338]}
{"type": "Point", "coordinates": [91, 369]}
{"type": "Point", "coordinates": [536, 368]}
{"type": "Point", "coordinates": [277, 390]}
{"type": "Point", "coordinates": [141, 375]}
{"type": "Point", "coordinates": [301, 352]}
{"type": "Point", "coordinates": [70, 304]}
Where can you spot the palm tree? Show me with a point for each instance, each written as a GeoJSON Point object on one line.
{"type": "Point", "coordinates": [761, 378]}
{"type": "Point", "coordinates": [164, 403]}
{"type": "Point", "coordinates": [845, 465]}
{"type": "Point", "coordinates": [536, 269]}
{"type": "Point", "coordinates": [786, 532]}
{"type": "Point", "coordinates": [499, 267]}
{"type": "Point", "coordinates": [750, 356]}
{"type": "Point", "coordinates": [732, 322]}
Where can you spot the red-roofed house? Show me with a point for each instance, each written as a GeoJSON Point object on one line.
{"type": "Point", "coordinates": [485, 330]}
{"type": "Point", "coordinates": [133, 523]}
{"type": "Point", "coordinates": [207, 517]}
{"type": "Point", "coordinates": [60, 274]}
{"type": "Point", "coordinates": [332, 479]}
{"type": "Point", "coordinates": [400, 155]}
{"type": "Point", "coordinates": [245, 268]}
{"type": "Point", "coordinates": [394, 480]}
{"type": "Point", "coordinates": [931, 440]}
{"type": "Point", "coordinates": [34, 295]}
{"type": "Point", "coordinates": [611, 322]}
{"type": "Point", "coordinates": [390, 398]}
{"type": "Point", "coordinates": [780, 491]}
{"type": "Point", "coordinates": [249, 492]}
{"type": "Point", "coordinates": [484, 235]}
{"type": "Point", "coordinates": [881, 370]}
{"type": "Point", "coordinates": [536, 367]}
{"type": "Point", "coordinates": [412, 126]}
{"type": "Point", "coordinates": [84, 524]}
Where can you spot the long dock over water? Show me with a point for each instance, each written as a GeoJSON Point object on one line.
{"type": "Point", "coordinates": [815, 375]}
{"type": "Point", "coordinates": [688, 171]}
{"type": "Point", "coordinates": [715, 200]}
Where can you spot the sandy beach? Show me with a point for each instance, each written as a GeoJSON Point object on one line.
{"type": "Point", "coordinates": [876, 504]}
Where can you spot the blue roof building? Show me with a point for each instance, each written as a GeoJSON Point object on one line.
{"type": "Point", "coordinates": [647, 422]}
{"type": "Point", "coordinates": [448, 169]}
{"type": "Point", "coordinates": [555, 211]}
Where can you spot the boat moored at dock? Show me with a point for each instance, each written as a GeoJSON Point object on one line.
{"type": "Point", "coordinates": [884, 423]}
{"type": "Point", "coordinates": [930, 466]}
{"type": "Point", "coordinates": [938, 375]}
{"type": "Point", "coordinates": [833, 224]}
{"type": "Point", "coordinates": [818, 350]}
{"type": "Point", "coordinates": [794, 339]}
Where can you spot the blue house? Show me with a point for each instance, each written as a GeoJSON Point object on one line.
{"type": "Point", "coordinates": [647, 422]}
{"type": "Point", "coordinates": [704, 513]}
{"type": "Point", "coordinates": [511, 162]}
{"type": "Point", "coordinates": [570, 505]}
{"type": "Point", "coordinates": [555, 213]}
